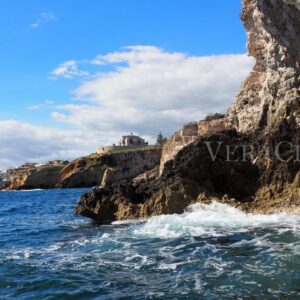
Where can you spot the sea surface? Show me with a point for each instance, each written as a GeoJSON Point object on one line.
{"type": "Point", "coordinates": [209, 252]}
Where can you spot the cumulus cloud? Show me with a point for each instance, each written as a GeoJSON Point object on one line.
{"type": "Point", "coordinates": [68, 70]}
{"type": "Point", "coordinates": [45, 17]}
{"type": "Point", "coordinates": [22, 142]}
{"type": "Point", "coordinates": [148, 90]}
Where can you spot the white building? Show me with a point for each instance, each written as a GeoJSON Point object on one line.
{"type": "Point", "coordinates": [132, 141]}
{"type": "Point", "coordinates": [126, 142]}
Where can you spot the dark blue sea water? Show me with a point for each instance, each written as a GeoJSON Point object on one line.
{"type": "Point", "coordinates": [209, 252]}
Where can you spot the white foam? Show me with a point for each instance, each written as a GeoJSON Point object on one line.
{"type": "Point", "coordinates": [20, 254]}
{"type": "Point", "coordinates": [33, 190]}
{"type": "Point", "coordinates": [127, 222]}
{"type": "Point", "coordinates": [214, 219]}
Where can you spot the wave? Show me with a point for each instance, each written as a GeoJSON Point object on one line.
{"type": "Point", "coordinates": [213, 219]}
{"type": "Point", "coordinates": [33, 190]}
{"type": "Point", "coordinates": [127, 222]}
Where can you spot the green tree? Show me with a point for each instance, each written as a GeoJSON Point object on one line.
{"type": "Point", "coordinates": [161, 139]}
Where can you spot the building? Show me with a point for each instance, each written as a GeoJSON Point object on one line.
{"type": "Point", "coordinates": [132, 141]}
{"type": "Point", "coordinates": [126, 142]}
{"type": "Point", "coordinates": [58, 162]}
{"type": "Point", "coordinates": [28, 165]}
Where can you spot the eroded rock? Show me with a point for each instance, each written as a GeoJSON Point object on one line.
{"type": "Point", "coordinates": [106, 169]}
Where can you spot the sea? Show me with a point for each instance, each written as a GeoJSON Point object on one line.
{"type": "Point", "coordinates": [209, 252]}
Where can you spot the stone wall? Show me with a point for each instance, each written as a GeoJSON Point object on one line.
{"type": "Point", "coordinates": [109, 149]}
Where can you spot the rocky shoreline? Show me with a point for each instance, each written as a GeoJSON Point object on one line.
{"type": "Point", "coordinates": [265, 118]}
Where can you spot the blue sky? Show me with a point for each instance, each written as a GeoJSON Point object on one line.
{"type": "Point", "coordinates": [38, 36]}
{"type": "Point", "coordinates": [84, 29]}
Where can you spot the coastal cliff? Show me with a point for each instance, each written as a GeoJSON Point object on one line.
{"type": "Point", "coordinates": [92, 170]}
{"type": "Point", "coordinates": [106, 169]}
{"type": "Point", "coordinates": [271, 92]}
{"type": "Point", "coordinates": [249, 157]}
{"type": "Point", "coordinates": [32, 176]}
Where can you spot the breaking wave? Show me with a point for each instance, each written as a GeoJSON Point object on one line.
{"type": "Point", "coordinates": [19, 191]}
{"type": "Point", "coordinates": [213, 219]}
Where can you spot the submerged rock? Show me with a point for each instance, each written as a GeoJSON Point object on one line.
{"type": "Point", "coordinates": [264, 117]}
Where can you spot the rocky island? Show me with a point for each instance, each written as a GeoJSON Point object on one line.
{"type": "Point", "coordinates": [248, 157]}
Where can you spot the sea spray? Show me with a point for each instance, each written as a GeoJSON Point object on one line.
{"type": "Point", "coordinates": [213, 219]}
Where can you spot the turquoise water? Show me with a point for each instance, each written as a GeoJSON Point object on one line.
{"type": "Point", "coordinates": [209, 252]}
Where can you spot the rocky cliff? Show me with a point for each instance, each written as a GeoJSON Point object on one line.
{"type": "Point", "coordinates": [268, 104]}
{"type": "Point", "coordinates": [249, 157]}
{"type": "Point", "coordinates": [272, 88]}
{"type": "Point", "coordinates": [188, 134]}
{"type": "Point", "coordinates": [105, 169]}
{"type": "Point", "coordinates": [35, 177]}
{"type": "Point", "coordinates": [89, 171]}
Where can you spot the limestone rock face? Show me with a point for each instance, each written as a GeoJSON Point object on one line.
{"type": "Point", "coordinates": [95, 170]}
{"type": "Point", "coordinates": [272, 90]}
{"type": "Point", "coordinates": [130, 165]}
{"type": "Point", "coordinates": [188, 134]}
{"type": "Point", "coordinates": [83, 172]}
{"type": "Point", "coordinates": [89, 171]}
{"type": "Point", "coordinates": [179, 140]}
{"type": "Point", "coordinates": [40, 177]}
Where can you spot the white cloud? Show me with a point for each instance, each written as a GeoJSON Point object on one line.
{"type": "Point", "coordinates": [68, 70]}
{"type": "Point", "coordinates": [45, 17]}
{"type": "Point", "coordinates": [22, 142]}
{"type": "Point", "coordinates": [47, 104]}
{"type": "Point", "coordinates": [148, 89]}
{"type": "Point", "coordinates": [35, 107]}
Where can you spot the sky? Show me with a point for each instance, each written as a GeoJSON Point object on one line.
{"type": "Point", "coordinates": [78, 74]}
